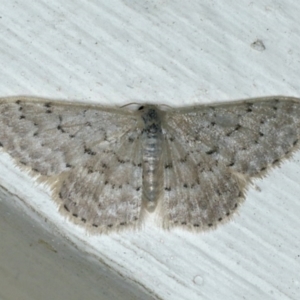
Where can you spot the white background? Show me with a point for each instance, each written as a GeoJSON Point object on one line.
{"type": "Point", "coordinates": [177, 53]}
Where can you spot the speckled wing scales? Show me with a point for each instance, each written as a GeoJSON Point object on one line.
{"type": "Point", "coordinates": [213, 152]}
{"type": "Point", "coordinates": [199, 193]}
{"type": "Point", "coordinates": [92, 154]}
{"type": "Point", "coordinates": [106, 193]}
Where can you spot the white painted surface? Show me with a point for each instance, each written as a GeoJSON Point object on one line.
{"type": "Point", "coordinates": [175, 53]}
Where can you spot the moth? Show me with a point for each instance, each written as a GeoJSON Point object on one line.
{"type": "Point", "coordinates": [110, 167]}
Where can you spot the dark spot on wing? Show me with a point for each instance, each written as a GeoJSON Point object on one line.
{"type": "Point", "coordinates": [60, 128]}
{"type": "Point", "coordinates": [249, 108]}
{"type": "Point", "coordinates": [89, 151]}
{"type": "Point", "coordinates": [237, 127]}
{"type": "Point", "coordinates": [210, 152]}
{"type": "Point", "coordinates": [169, 166]}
